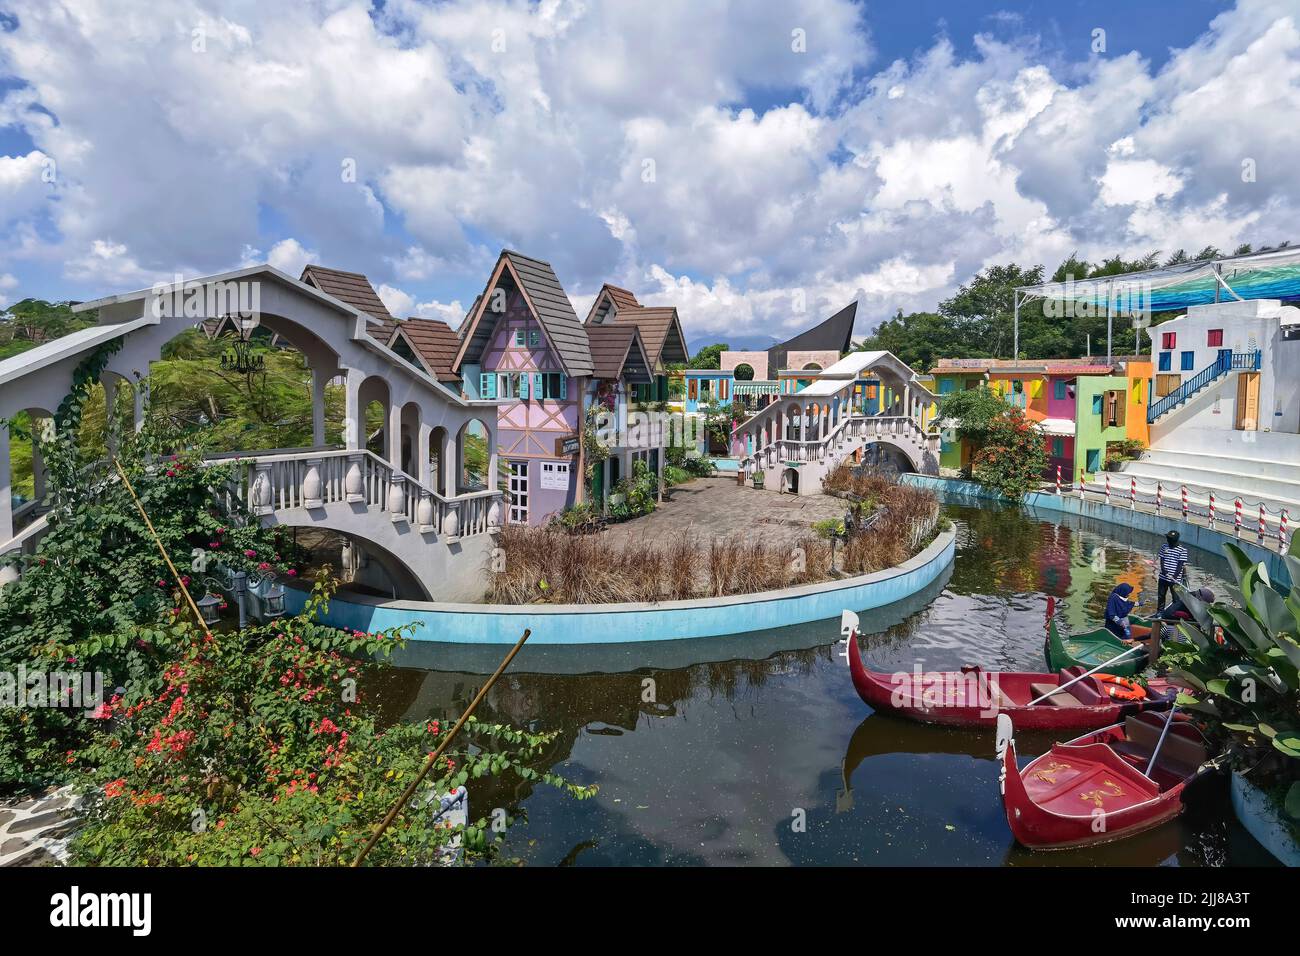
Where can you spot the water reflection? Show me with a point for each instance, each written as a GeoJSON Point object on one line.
{"type": "Point", "coordinates": [715, 751]}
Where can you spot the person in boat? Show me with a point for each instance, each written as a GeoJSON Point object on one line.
{"type": "Point", "coordinates": [1118, 608]}
{"type": "Point", "coordinates": [1171, 567]}
{"type": "Point", "coordinates": [1177, 611]}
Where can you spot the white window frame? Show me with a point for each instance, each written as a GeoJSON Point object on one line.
{"type": "Point", "coordinates": [519, 490]}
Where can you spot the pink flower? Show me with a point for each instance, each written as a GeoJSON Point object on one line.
{"type": "Point", "coordinates": [250, 553]}
{"type": "Point", "coordinates": [292, 573]}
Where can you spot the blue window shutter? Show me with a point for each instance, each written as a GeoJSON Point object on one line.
{"type": "Point", "coordinates": [539, 386]}
{"type": "Point", "coordinates": [1166, 361]}
{"type": "Point", "coordinates": [564, 386]}
{"type": "Point", "coordinates": [1189, 361]}
{"type": "Point", "coordinates": [487, 385]}
{"type": "Point", "coordinates": [523, 386]}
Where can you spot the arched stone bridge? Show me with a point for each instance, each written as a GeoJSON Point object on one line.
{"type": "Point", "coordinates": [409, 509]}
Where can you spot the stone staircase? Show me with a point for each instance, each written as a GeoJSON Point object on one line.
{"type": "Point", "coordinates": [1275, 484]}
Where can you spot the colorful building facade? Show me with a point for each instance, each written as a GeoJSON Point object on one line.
{"type": "Point", "coordinates": [1081, 406]}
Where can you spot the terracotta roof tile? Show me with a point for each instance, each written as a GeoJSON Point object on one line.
{"type": "Point", "coordinates": [434, 341]}
{"type": "Point", "coordinates": [616, 348]}
{"type": "Point", "coordinates": [355, 290]}
{"type": "Point", "coordinates": [661, 332]}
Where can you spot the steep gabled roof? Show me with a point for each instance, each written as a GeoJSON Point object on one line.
{"type": "Point", "coordinates": [661, 331]}
{"type": "Point", "coordinates": [835, 333]}
{"type": "Point", "coordinates": [549, 304]}
{"type": "Point", "coordinates": [617, 352]}
{"type": "Point", "coordinates": [433, 341]}
{"type": "Point", "coordinates": [610, 295]}
{"type": "Point", "coordinates": [354, 289]}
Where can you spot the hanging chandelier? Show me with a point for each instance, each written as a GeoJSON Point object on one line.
{"type": "Point", "coordinates": [240, 358]}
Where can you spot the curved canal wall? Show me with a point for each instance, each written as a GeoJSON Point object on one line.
{"type": "Point", "coordinates": [1193, 535]}
{"type": "Point", "coordinates": [585, 624]}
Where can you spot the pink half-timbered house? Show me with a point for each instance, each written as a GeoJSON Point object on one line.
{"type": "Point", "coordinates": [523, 345]}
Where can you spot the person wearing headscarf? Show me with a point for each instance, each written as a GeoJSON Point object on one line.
{"type": "Point", "coordinates": [1118, 608]}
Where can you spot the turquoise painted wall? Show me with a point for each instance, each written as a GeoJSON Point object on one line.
{"type": "Point", "coordinates": [632, 623]}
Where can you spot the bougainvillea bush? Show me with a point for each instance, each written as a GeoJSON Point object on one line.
{"type": "Point", "coordinates": [97, 596]}
{"type": "Point", "coordinates": [260, 747]}
{"type": "Point", "coordinates": [1010, 451]}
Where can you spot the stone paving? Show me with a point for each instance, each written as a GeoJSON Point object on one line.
{"type": "Point", "coordinates": [718, 507]}
{"type": "Point", "coordinates": [35, 831]}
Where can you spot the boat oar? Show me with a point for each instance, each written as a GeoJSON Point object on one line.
{"type": "Point", "coordinates": [1169, 722]}
{"type": "Point", "coordinates": [1076, 680]}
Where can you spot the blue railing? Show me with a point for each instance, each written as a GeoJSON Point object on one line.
{"type": "Point", "coordinates": [1225, 363]}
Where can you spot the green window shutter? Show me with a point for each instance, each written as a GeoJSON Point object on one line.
{"type": "Point", "coordinates": [523, 385]}
{"type": "Point", "coordinates": [539, 388]}
{"type": "Point", "coordinates": [564, 386]}
{"type": "Point", "coordinates": [487, 385]}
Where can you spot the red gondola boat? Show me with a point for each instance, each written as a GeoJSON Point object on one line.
{"type": "Point", "coordinates": [972, 697]}
{"type": "Point", "coordinates": [1100, 787]}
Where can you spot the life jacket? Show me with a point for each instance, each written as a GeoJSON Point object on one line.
{"type": "Point", "coordinates": [1121, 688]}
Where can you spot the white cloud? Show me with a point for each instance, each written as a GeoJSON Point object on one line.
{"type": "Point", "coordinates": [403, 141]}
{"type": "Point", "coordinates": [8, 282]}
{"type": "Point", "coordinates": [1127, 182]}
{"type": "Point", "coordinates": [404, 305]}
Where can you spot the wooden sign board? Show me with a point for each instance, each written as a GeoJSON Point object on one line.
{"type": "Point", "coordinates": [567, 446]}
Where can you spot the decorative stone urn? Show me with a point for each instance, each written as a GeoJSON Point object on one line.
{"type": "Point", "coordinates": [451, 525]}
{"type": "Point", "coordinates": [424, 513]}
{"type": "Point", "coordinates": [260, 493]}
{"type": "Point", "coordinates": [397, 498]}
{"type": "Point", "coordinates": [353, 483]}
{"type": "Point", "coordinates": [312, 485]}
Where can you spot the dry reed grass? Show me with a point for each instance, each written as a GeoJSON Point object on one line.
{"type": "Point", "coordinates": [552, 566]}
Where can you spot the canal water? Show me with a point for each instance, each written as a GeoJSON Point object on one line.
{"type": "Point", "coordinates": [756, 750]}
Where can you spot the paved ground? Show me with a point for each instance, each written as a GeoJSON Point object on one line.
{"type": "Point", "coordinates": [718, 507]}
{"type": "Point", "coordinates": [35, 831]}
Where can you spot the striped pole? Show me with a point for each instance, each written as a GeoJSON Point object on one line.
{"type": "Point", "coordinates": [1058, 481]}
{"type": "Point", "coordinates": [1184, 502]}
{"type": "Point", "coordinates": [1107, 487]}
{"type": "Point", "coordinates": [1132, 493]}
{"type": "Point", "coordinates": [1282, 530]}
{"type": "Point", "coordinates": [1262, 526]}
{"type": "Point", "coordinates": [1211, 509]}
{"type": "Point", "coordinates": [1237, 518]}
{"type": "Point", "coordinates": [1160, 496]}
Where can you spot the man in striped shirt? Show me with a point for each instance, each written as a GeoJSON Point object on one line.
{"type": "Point", "coordinates": [1171, 567]}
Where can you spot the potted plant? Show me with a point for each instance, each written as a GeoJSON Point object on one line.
{"type": "Point", "coordinates": [1248, 689]}
{"type": "Point", "coordinates": [759, 479]}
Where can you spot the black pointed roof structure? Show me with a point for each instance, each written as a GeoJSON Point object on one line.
{"type": "Point", "coordinates": [834, 333]}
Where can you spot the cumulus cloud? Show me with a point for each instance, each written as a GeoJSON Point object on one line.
{"type": "Point", "coordinates": [624, 142]}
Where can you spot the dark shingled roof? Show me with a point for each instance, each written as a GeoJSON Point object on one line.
{"type": "Point", "coordinates": [554, 311]}
{"type": "Point", "coordinates": [609, 295]}
{"type": "Point", "coordinates": [616, 350]}
{"type": "Point", "coordinates": [834, 333]}
{"type": "Point", "coordinates": [661, 331]}
{"type": "Point", "coordinates": [355, 290]}
{"type": "Point", "coordinates": [435, 342]}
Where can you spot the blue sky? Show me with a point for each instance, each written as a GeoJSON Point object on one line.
{"type": "Point", "coordinates": [687, 151]}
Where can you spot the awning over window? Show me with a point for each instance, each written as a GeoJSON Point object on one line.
{"type": "Point", "coordinates": [757, 388]}
{"type": "Point", "coordinates": [1258, 275]}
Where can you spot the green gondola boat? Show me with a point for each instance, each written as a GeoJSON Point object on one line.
{"type": "Point", "coordinates": [1090, 648]}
